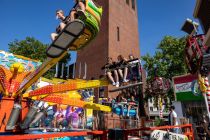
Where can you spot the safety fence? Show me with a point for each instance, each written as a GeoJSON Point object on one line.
{"type": "Point", "coordinates": [48, 136]}
{"type": "Point", "coordinates": [123, 123]}
{"type": "Point", "coordinates": [186, 130]}
{"type": "Point", "coordinates": [111, 134]}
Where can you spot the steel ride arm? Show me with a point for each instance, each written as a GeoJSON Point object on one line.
{"type": "Point", "coordinates": [57, 50]}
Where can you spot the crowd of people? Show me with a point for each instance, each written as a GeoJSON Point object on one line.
{"type": "Point", "coordinates": [64, 119]}
{"type": "Point", "coordinates": [123, 70]}
{"type": "Point", "coordinates": [126, 101]}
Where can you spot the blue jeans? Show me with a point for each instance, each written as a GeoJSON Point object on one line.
{"type": "Point", "coordinates": [122, 108]}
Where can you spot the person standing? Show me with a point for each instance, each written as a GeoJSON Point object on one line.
{"type": "Point", "coordinates": [173, 120]}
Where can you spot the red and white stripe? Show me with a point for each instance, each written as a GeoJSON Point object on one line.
{"type": "Point", "coordinates": [206, 83]}
{"type": "Point", "coordinates": [161, 113]}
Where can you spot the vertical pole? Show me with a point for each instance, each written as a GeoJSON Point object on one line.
{"type": "Point", "coordinates": [207, 96]}
{"type": "Point", "coordinates": [74, 69]}
{"type": "Point", "coordinates": [80, 67]}
{"type": "Point", "coordinates": [85, 116]}
{"type": "Point", "coordinates": [56, 70]}
{"type": "Point", "coordinates": [62, 71]}
{"type": "Point", "coordinates": [67, 77]}
{"type": "Point", "coordinates": [85, 71]}
{"type": "Point", "coordinates": [139, 89]}
{"type": "Point", "coordinates": [125, 137]}
{"type": "Point", "coordinates": [103, 136]}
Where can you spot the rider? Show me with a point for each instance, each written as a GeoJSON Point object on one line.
{"type": "Point", "coordinates": [78, 9]}
{"type": "Point", "coordinates": [110, 70]}
{"type": "Point", "coordinates": [134, 104]}
{"type": "Point", "coordinates": [122, 68]}
{"type": "Point", "coordinates": [64, 20]}
{"type": "Point", "coordinates": [134, 68]}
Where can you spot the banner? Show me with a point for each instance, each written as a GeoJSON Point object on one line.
{"type": "Point", "coordinates": [186, 88]}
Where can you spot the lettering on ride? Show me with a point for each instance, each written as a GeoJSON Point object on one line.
{"type": "Point", "coordinates": [156, 136]}
{"type": "Point", "coordinates": [183, 87]}
{"type": "Point", "coordinates": [164, 135]}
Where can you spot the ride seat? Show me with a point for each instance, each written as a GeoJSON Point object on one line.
{"type": "Point", "coordinates": [93, 10]}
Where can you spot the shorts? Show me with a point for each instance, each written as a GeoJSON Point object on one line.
{"type": "Point", "coordinates": [110, 70]}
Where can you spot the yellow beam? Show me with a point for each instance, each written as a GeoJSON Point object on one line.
{"type": "Point", "coordinates": [63, 99]}
{"type": "Point", "coordinates": [68, 86]}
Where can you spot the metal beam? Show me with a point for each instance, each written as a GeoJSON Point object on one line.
{"type": "Point", "coordinates": [125, 87]}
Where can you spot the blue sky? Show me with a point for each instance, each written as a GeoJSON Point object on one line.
{"type": "Point", "coordinates": [158, 18]}
{"type": "Point", "coordinates": [36, 18]}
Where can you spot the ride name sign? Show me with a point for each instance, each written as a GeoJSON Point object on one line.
{"type": "Point", "coordinates": [164, 135]}
{"type": "Point", "coordinates": [186, 88]}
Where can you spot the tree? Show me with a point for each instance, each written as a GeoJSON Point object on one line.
{"type": "Point", "coordinates": [34, 49]}
{"type": "Point", "coordinates": [168, 60]}
{"type": "Point", "coordinates": [30, 47]}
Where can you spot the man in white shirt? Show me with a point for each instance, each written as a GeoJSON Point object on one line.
{"type": "Point", "coordinates": [173, 119]}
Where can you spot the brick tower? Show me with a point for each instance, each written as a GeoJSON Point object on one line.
{"type": "Point", "coordinates": [118, 35]}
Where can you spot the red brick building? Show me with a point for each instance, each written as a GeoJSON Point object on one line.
{"type": "Point", "coordinates": [118, 35]}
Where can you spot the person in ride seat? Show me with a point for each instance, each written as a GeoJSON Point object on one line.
{"type": "Point", "coordinates": [132, 104]}
{"type": "Point", "coordinates": [122, 68]}
{"type": "Point", "coordinates": [134, 68]}
{"type": "Point", "coordinates": [119, 102]}
{"type": "Point", "coordinates": [110, 71]}
{"type": "Point", "coordinates": [78, 10]}
{"type": "Point", "coordinates": [59, 118]}
{"type": "Point", "coordinates": [64, 20]}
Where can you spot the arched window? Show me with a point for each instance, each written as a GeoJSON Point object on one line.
{"type": "Point", "coordinates": [118, 33]}
{"type": "Point", "coordinates": [133, 4]}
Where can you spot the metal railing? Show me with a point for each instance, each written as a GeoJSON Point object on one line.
{"type": "Point", "coordinates": [124, 123]}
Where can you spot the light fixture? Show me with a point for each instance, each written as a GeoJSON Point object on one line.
{"type": "Point", "coordinates": [190, 26]}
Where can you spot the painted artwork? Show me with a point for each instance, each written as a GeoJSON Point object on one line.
{"type": "Point", "coordinates": [7, 59]}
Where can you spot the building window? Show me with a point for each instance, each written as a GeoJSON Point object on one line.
{"type": "Point", "coordinates": [118, 33]}
{"type": "Point", "coordinates": [127, 1]}
{"type": "Point", "coordinates": [133, 4]}
{"type": "Point", "coordinates": [151, 108]}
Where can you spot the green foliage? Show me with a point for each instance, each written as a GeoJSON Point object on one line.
{"type": "Point", "coordinates": [34, 49]}
{"type": "Point", "coordinates": [159, 121]}
{"type": "Point", "coordinates": [169, 59]}
{"type": "Point", "coordinates": [30, 47]}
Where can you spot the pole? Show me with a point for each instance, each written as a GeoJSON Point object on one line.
{"type": "Point", "coordinates": [56, 71]}
{"type": "Point", "coordinates": [207, 96]}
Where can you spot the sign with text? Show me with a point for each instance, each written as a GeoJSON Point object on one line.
{"type": "Point", "coordinates": [164, 135]}
{"type": "Point", "coordinates": [186, 88]}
